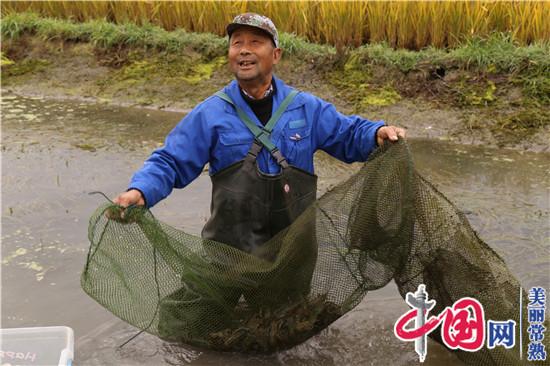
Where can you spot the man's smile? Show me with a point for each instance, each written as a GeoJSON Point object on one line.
{"type": "Point", "coordinates": [246, 64]}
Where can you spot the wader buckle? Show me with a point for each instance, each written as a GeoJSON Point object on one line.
{"type": "Point", "coordinates": [281, 160]}
{"type": "Point", "coordinates": [255, 149]}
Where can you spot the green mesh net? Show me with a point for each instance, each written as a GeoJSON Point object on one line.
{"type": "Point", "coordinates": [385, 222]}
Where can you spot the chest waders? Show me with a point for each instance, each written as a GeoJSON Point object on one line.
{"type": "Point", "coordinates": [248, 208]}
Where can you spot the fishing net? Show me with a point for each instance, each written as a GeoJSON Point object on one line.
{"type": "Point", "coordinates": [385, 222]}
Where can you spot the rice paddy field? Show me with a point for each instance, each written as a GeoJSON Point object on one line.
{"type": "Point", "coordinates": [403, 24]}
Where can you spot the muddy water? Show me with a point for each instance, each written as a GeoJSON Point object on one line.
{"type": "Point", "coordinates": [55, 153]}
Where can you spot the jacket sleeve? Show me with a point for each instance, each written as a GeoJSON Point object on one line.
{"type": "Point", "coordinates": [347, 138]}
{"type": "Point", "coordinates": [182, 158]}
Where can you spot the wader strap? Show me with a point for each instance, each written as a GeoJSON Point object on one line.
{"type": "Point", "coordinates": [254, 150]}
{"type": "Point", "coordinates": [257, 147]}
{"type": "Point", "coordinates": [259, 134]}
{"type": "Point", "coordinates": [263, 134]}
{"type": "Point", "coordinates": [275, 117]}
{"type": "Point", "coordinates": [281, 160]}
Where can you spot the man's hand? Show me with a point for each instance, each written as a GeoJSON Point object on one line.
{"type": "Point", "coordinates": [131, 197]}
{"type": "Point", "coordinates": [391, 133]}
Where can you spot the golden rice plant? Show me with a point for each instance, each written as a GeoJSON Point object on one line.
{"type": "Point", "coordinates": [410, 24]}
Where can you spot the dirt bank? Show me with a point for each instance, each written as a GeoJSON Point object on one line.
{"type": "Point", "coordinates": [449, 104]}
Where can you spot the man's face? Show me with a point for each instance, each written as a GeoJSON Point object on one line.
{"type": "Point", "coordinates": [252, 55]}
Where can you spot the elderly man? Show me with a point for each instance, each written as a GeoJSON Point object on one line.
{"type": "Point", "coordinates": [259, 136]}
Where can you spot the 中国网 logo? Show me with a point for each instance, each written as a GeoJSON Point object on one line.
{"type": "Point", "coordinates": [463, 325]}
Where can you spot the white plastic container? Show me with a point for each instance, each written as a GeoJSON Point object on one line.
{"type": "Point", "coordinates": [44, 346]}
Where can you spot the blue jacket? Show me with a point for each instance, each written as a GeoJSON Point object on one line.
{"type": "Point", "coordinates": [212, 132]}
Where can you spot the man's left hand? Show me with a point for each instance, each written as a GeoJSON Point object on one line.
{"type": "Point", "coordinates": [391, 133]}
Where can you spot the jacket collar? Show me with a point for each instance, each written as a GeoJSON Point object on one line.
{"type": "Point", "coordinates": [281, 91]}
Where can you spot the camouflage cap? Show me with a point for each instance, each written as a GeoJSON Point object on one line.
{"type": "Point", "coordinates": [257, 21]}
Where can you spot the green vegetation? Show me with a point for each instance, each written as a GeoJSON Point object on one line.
{"type": "Point", "coordinates": [10, 68]}
{"type": "Point", "coordinates": [497, 53]}
{"type": "Point", "coordinates": [104, 34]}
{"type": "Point", "coordinates": [4, 60]}
{"type": "Point", "coordinates": [108, 35]}
{"type": "Point", "coordinates": [512, 128]}
{"type": "Point", "coordinates": [502, 83]}
{"type": "Point", "coordinates": [473, 74]}
{"type": "Point", "coordinates": [383, 97]}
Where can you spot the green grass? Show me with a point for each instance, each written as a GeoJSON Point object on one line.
{"type": "Point", "coordinates": [537, 88]}
{"type": "Point", "coordinates": [299, 47]}
{"type": "Point", "coordinates": [497, 53]}
{"type": "Point", "coordinates": [501, 53]}
{"type": "Point", "coordinates": [13, 25]}
{"type": "Point", "coordinates": [109, 35]}
{"type": "Point", "coordinates": [382, 54]}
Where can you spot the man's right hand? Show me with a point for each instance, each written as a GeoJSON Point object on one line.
{"type": "Point", "coordinates": [131, 197]}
